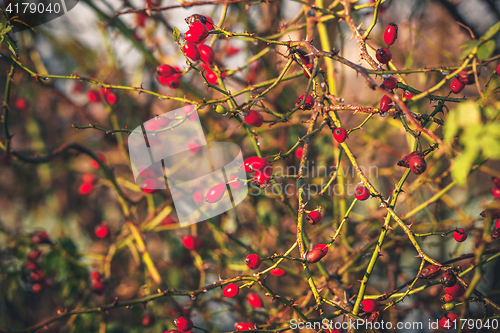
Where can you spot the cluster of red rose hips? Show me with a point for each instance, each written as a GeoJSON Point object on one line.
{"type": "Point", "coordinates": [383, 54]}
{"type": "Point", "coordinates": [96, 283]}
{"type": "Point", "coordinates": [37, 276]}
{"type": "Point", "coordinates": [87, 185]}
{"type": "Point", "coordinates": [106, 94]}
{"type": "Point", "coordinates": [262, 168]}
{"type": "Point", "coordinates": [452, 288]}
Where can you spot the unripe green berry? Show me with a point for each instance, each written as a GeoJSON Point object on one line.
{"type": "Point", "coordinates": [448, 306]}
{"type": "Point", "coordinates": [220, 109]}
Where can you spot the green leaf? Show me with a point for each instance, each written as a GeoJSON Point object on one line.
{"type": "Point", "coordinates": [465, 115]}
{"type": "Point", "coordinates": [176, 35]}
{"type": "Point", "coordinates": [486, 50]}
{"type": "Point", "coordinates": [468, 47]}
{"type": "Point", "coordinates": [462, 164]}
{"type": "Point", "coordinates": [491, 31]}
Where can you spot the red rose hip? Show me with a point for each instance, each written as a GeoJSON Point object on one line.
{"type": "Point", "coordinates": [191, 51]}
{"type": "Point", "coordinates": [369, 305]}
{"type": "Point", "coordinates": [231, 290]}
{"type": "Point", "coordinates": [383, 55]}
{"type": "Point", "coordinates": [216, 193]}
{"type": "Point", "coordinates": [253, 261]}
{"type": "Point", "coordinates": [192, 243]}
{"type": "Point", "coordinates": [460, 235]}
{"type": "Point", "coordinates": [390, 83]}
{"type": "Point", "coordinates": [417, 164]}
{"type": "Point", "coordinates": [278, 272]}
{"type": "Point", "coordinates": [456, 86]}
{"type": "Point", "coordinates": [254, 118]}
{"type": "Point", "coordinates": [385, 103]}
{"type": "Point", "coordinates": [206, 54]}
{"type": "Point", "coordinates": [254, 300]}
{"type": "Point", "coordinates": [495, 191]}
{"type": "Point", "coordinates": [340, 134]}
{"type": "Point", "coordinates": [183, 323]}
{"type": "Point", "coordinates": [314, 217]}
{"type": "Point", "coordinates": [455, 291]}
{"type": "Point", "coordinates": [391, 34]}
{"type": "Point", "coordinates": [361, 193]}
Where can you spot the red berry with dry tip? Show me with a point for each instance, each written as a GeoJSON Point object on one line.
{"type": "Point", "coordinates": [456, 86]}
{"type": "Point", "coordinates": [361, 193]}
{"type": "Point", "coordinates": [254, 118]}
{"type": "Point", "coordinates": [314, 217]}
{"type": "Point", "coordinates": [340, 134]}
{"type": "Point", "coordinates": [253, 261]}
{"type": "Point", "coordinates": [369, 305]}
{"type": "Point", "coordinates": [191, 51]}
{"type": "Point", "coordinates": [390, 83]}
{"type": "Point", "coordinates": [383, 55]}
{"type": "Point", "coordinates": [216, 193]}
{"type": "Point", "coordinates": [495, 191]}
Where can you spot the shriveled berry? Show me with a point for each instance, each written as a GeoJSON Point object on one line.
{"type": "Point", "coordinates": [446, 298]}
{"type": "Point", "coordinates": [383, 55]}
{"type": "Point", "coordinates": [417, 164]}
{"type": "Point", "coordinates": [369, 305]}
{"type": "Point", "coordinates": [254, 163]}
{"type": "Point", "coordinates": [254, 300]}
{"type": "Point", "coordinates": [210, 23]}
{"type": "Point", "coordinates": [456, 86]}
{"type": "Point", "coordinates": [465, 78]}
{"type": "Point", "coordinates": [254, 118]}
{"type": "Point", "coordinates": [183, 323]}
{"type": "Point", "coordinates": [455, 291]}
{"type": "Point", "coordinates": [495, 191]}
{"type": "Point", "coordinates": [390, 83]}
{"type": "Point", "coordinates": [253, 261]}
{"type": "Point", "coordinates": [192, 243]}
{"type": "Point", "coordinates": [391, 34]}
{"type": "Point", "coordinates": [244, 326]}
{"type": "Point", "coordinates": [231, 290]}
{"type": "Point", "coordinates": [102, 230]}
{"type": "Point", "coordinates": [98, 287]}
{"type": "Point", "coordinates": [309, 102]}
{"type": "Point", "coordinates": [361, 193]}
{"type": "Point", "coordinates": [340, 134]}
{"type": "Point", "coordinates": [40, 237]}
{"type": "Point", "coordinates": [206, 54]}
{"type": "Point", "coordinates": [448, 279]}
{"type": "Point", "coordinates": [216, 193]}
{"type": "Point", "coordinates": [430, 272]}
{"type": "Point", "coordinates": [277, 272]}
{"type": "Point", "coordinates": [317, 253]}
{"type": "Point", "coordinates": [460, 235]}
{"type": "Point", "coordinates": [93, 96]}
{"type": "Point", "coordinates": [165, 70]}
{"type": "Point", "coordinates": [449, 321]}
{"type": "Point", "coordinates": [385, 103]}
{"type": "Point", "coordinates": [33, 255]}
{"type": "Point", "coordinates": [404, 161]}
{"type": "Point", "coordinates": [191, 51]}
{"type": "Point", "coordinates": [314, 217]}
